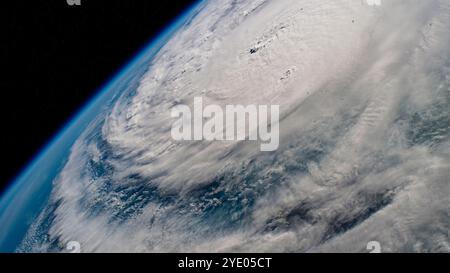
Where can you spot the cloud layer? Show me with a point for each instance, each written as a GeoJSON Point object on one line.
{"type": "Point", "coordinates": [364, 151]}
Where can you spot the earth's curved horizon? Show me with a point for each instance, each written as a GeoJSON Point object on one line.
{"type": "Point", "coordinates": [364, 152]}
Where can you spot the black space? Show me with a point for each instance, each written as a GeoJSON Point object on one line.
{"type": "Point", "coordinates": [55, 57]}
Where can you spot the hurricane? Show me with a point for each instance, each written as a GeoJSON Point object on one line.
{"type": "Point", "coordinates": [364, 144]}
